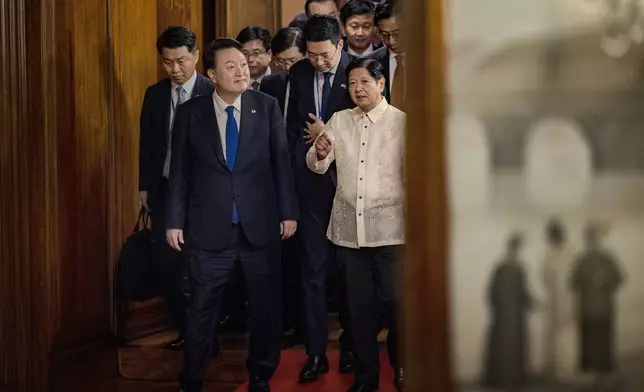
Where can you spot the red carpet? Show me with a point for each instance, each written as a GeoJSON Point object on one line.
{"type": "Point", "coordinates": [285, 378]}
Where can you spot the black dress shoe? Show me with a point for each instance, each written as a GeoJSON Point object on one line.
{"type": "Point", "coordinates": [314, 367]}
{"type": "Point", "coordinates": [359, 387]}
{"type": "Point", "coordinates": [177, 344]}
{"type": "Point", "coordinates": [257, 384]}
{"type": "Point", "coordinates": [399, 380]}
{"type": "Point", "coordinates": [347, 362]}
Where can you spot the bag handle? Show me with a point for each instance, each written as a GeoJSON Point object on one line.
{"type": "Point", "coordinates": [143, 220]}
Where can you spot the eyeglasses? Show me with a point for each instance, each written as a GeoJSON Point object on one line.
{"type": "Point", "coordinates": [324, 56]}
{"type": "Point", "coordinates": [286, 62]}
{"type": "Point", "coordinates": [253, 54]}
{"type": "Point", "coordinates": [388, 36]}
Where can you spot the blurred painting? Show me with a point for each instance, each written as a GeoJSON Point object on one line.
{"type": "Point", "coordinates": [546, 182]}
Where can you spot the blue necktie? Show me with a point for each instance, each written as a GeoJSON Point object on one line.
{"type": "Point", "coordinates": [232, 140]}
{"type": "Point", "coordinates": [326, 92]}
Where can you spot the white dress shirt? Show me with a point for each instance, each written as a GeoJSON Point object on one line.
{"type": "Point", "coordinates": [222, 116]}
{"type": "Point", "coordinates": [368, 149]}
{"type": "Point", "coordinates": [366, 52]}
{"type": "Point", "coordinates": [318, 86]}
{"type": "Point", "coordinates": [188, 86]}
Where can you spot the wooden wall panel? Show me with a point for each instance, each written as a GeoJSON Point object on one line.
{"type": "Point", "coordinates": [234, 15]}
{"type": "Point", "coordinates": [25, 185]}
{"type": "Point", "coordinates": [426, 310]}
{"type": "Point", "coordinates": [83, 152]}
{"type": "Point", "coordinates": [180, 13]}
{"type": "Point", "coordinates": [132, 75]}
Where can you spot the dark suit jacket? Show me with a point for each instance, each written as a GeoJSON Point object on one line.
{"type": "Point", "coordinates": [202, 189]}
{"type": "Point", "coordinates": [275, 86]}
{"type": "Point", "coordinates": [302, 102]}
{"type": "Point", "coordinates": [155, 120]}
{"type": "Point", "coordinates": [382, 55]}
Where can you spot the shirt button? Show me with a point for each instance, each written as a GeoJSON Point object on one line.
{"type": "Point", "coordinates": [360, 178]}
{"type": "Point", "coordinates": [360, 197]}
{"type": "Point", "coordinates": [361, 161]}
{"type": "Point", "coordinates": [359, 214]}
{"type": "Point", "coordinates": [363, 144]}
{"type": "Point", "coordinates": [365, 126]}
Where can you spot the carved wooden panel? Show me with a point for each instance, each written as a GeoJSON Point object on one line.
{"type": "Point", "coordinates": [234, 15]}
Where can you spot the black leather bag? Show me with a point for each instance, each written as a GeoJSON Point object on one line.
{"type": "Point", "coordinates": [137, 275]}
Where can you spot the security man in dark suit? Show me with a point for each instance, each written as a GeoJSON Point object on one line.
{"type": "Point", "coordinates": [179, 54]}
{"type": "Point", "coordinates": [288, 47]}
{"type": "Point", "coordinates": [318, 88]}
{"type": "Point", "coordinates": [392, 55]}
{"type": "Point", "coordinates": [231, 201]}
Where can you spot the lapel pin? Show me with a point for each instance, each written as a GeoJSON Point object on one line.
{"type": "Point", "coordinates": [344, 86]}
{"type": "Point", "coordinates": [253, 111]}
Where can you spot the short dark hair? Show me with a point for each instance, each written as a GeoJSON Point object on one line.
{"type": "Point", "coordinates": [287, 38]}
{"type": "Point", "coordinates": [384, 10]}
{"type": "Point", "coordinates": [176, 37]}
{"type": "Point", "coordinates": [307, 5]}
{"type": "Point", "coordinates": [252, 33]}
{"type": "Point", "coordinates": [356, 7]}
{"type": "Point", "coordinates": [210, 55]}
{"type": "Point", "coordinates": [374, 67]}
{"type": "Point", "coordinates": [320, 28]}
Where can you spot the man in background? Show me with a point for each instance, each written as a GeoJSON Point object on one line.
{"type": "Point", "coordinates": [392, 55]}
{"type": "Point", "coordinates": [357, 18]}
{"type": "Point", "coordinates": [256, 43]}
{"type": "Point", "coordinates": [177, 47]}
{"type": "Point", "coordinates": [318, 88]}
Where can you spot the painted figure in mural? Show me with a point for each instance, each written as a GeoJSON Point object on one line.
{"type": "Point", "coordinates": [595, 280]}
{"type": "Point", "coordinates": [506, 359]}
{"type": "Point", "coordinates": [560, 330]}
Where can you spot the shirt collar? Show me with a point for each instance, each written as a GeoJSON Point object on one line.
{"type": "Point", "coordinates": [366, 52]}
{"type": "Point", "coordinates": [393, 55]}
{"type": "Point", "coordinates": [189, 85]}
{"type": "Point", "coordinates": [259, 80]}
{"type": "Point", "coordinates": [222, 105]}
{"type": "Point", "coordinates": [374, 114]}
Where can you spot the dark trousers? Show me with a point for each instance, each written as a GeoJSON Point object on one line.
{"type": "Point", "coordinates": [292, 286]}
{"type": "Point", "coordinates": [175, 287]}
{"type": "Point", "coordinates": [209, 274]}
{"type": "Point", "coordinates": [316, 195]}
{"type": "Point", "coordinates": [372, 279]}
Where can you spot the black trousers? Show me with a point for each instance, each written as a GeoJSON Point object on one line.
{"type": "Point", "coordinates": [373, 283]}
{"type": "Point", "coordinates": [318, 255]}
{"type": "Point", "coordinates": [175, 287]}
{"type": "Point", "coordinates": [209, 274]}
{"type": "Point", "coordinates": [292, 286]}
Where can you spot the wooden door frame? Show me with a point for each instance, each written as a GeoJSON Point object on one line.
{"type": "Point", "coordinates": [426, 307]}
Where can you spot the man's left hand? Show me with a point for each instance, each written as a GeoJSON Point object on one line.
{"type": "Point", "coordinates": [313, 130]}
{"type": "Point", "coordinates": [288, 228]}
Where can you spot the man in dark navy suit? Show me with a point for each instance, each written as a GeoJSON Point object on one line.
{"type": "Point", "coordinates": [318, 89]}
{"type": "Point", "coordinates": [231, 200]}
{"type": "Point", "coordinates": [392, 56]}
{"type": "Point", "coordinates": [177, 47]}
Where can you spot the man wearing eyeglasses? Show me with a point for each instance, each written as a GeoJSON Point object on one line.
{"type": "Point", "coordinates": [257, 50]}
{"type": "Point", "coordinates": [392, 55]}
{"type": "Point", "coordinates": [318, 89]}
